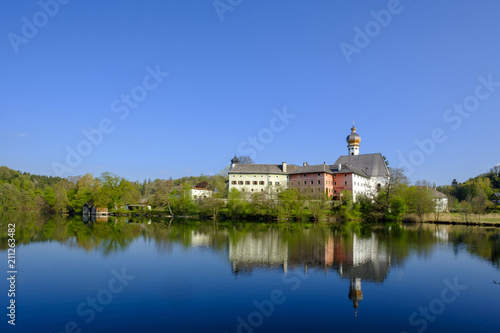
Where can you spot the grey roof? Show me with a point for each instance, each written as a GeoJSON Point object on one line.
{"type": "Point", "coordinates": [295, 169]}
{"type": "Point", "coordinates": [261, 168]}
{"type": "Point", "coordinates": [346, 168]}
{"type": "Point", "coordinates": [435, 193]}
{"type": "Point", "coordinates": [235, 160]}
{"type": "Point", "coordinates": [372, 165]}
{"type": "Point", "coordinates": [311, 169]}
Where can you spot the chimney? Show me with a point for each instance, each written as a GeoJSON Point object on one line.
{"type": "Point", "coordinates": [340, 166]}
{"type": "Point", "coordinates": [305, 164]}
{"type": "Point", "coordinates": [283, 166]}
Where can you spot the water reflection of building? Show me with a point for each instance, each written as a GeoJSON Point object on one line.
{"type": "Point", "coordinates": [200, 239]}
{"type": "Point", "coordinates": [355, 258]}
{"type": "Point", "coordinates": [368, 261]}
{"type": "Point", "coordinates": [258, 250]}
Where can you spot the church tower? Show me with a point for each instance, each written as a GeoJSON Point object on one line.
{"type": "Point", "coordinates": [355, 293]}
{"type": "Point", "coordinates": [235, 160]}
{"type": "Point", "coordinates": [353, 141]}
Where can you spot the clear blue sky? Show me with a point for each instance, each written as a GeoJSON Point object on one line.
{"type": "Point", "coordinates": [225, 78]}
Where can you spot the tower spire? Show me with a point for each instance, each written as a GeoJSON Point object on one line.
{"type": "Point", "coordinates": [353, 141]}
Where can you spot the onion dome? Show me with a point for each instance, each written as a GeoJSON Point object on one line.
{"type": "Point", "coordinates": [353, 139]}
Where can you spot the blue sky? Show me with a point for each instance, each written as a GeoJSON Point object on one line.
{"type": "Point", "coordinates": [291, 74]}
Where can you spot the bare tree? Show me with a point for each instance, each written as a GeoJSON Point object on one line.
{"type": "Point", "coordinates": [245, 160]}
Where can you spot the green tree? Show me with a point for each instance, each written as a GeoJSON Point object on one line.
{"type": "Point", "coordinates": [161, 194]}
{"type": "Point", "coordinates": [420, 201]}
{"type": "Point", "coordinates": [288, 202]}
{"type": "Point", "coordinates": [9, 197]}
{"type": "Point", "coordinates": [236, 205]}
{"type": "Point", "coordinates": [318, 206]}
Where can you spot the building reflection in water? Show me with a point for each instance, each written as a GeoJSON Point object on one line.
{"type": "Point", "coordinates": [258, 250]}
{"type": "Point", "coordinates": [355, 258]}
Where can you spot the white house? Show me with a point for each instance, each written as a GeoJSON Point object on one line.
{"type": "Point", "coordinates": [200, 191]}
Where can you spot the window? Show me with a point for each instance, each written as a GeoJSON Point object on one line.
{"type": "Point", "coordinates": [345, 183]}
{"type": "Point", "coordinates": [345, 174]}
{"type": "Point", "coordinates": [318, 174]}
{"type": "Point", "coordinates": [276, 183]}
{"type": "Point", "coordinates": [312, 182]}
{"type": "Point", "coordinates": [261, 182]}
{"type": "Point", "coordinates": [305, 182]}
{"type": "Point", "coordinates": [251, 190]}
{"type": "Point", "coordinates": [254, 182]}
{"type": "Point", "coordinates": [233, 182]}
{"type": "Point", "coordinates": [270, 183]}
{"type": "Point", "coordinates": [247, 182]}
{"type": "Point", "coordinates": [240, 182]}
{"type": "Point", "coordinates": [335, 183]}
{"type": "Point", "coordinates": [262, 190]}
{"type": "Point", "coordinates": [305, 175]}
{"type": "Point", "coordinates": [319, 182]}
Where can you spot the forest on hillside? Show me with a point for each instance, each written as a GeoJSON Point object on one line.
{"type": "Point", "coordinates": [21, 191]}
{"type": "Point", "coordinates": [46, 194]}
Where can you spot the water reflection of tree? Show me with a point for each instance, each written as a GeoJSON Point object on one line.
{"type": "Point", "coordinates": [301, 239]}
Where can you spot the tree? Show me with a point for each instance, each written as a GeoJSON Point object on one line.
{"type": "Point", "coordinates": [423, 182]}
{"type": "Point", "coordinates": [348, 209]}
{"type": "Point", "coordinates": [161, 194]}
{"type": "Point", "coordinates": [386, 161]}
{"type": "Point", "coordinates": [245, 160]}
{"type": "Point", "coordinates": [61, 199]}
{"type": "Point", "coordinates": [466, 210]}
{"type": "Point", "coordinates": [180, 198]}
{"type": "Point", "coordinates": [218, 182]}
{"type": "Point", "coordinates": [318, 206]}
{"type": "Point", "coordinates": [479, 204]}
{"type": "Point", "coordinates": [288, 202]}
{"type": "Point", "coordinates": [115, 190]}
{"type": "Point", "coordinates": [420, 201]}
{"type": "Point", "coordinates": [236, 205]}
{"type": "Point", "coordinates": [397, 208]}
{"type": "Point", "coordinates": [9, 197]}
{"type": "Point", "coordinates": [211, 206]}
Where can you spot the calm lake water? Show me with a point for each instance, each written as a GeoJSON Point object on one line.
{"type": "Point", "coordinates": [143, 275]}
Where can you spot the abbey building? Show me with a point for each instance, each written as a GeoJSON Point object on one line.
{"type": "Point", "coordinates": [358, 173]}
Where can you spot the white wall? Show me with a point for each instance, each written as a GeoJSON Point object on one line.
{"type": "Point", "coordinates": [274, 183]}
{"type": "Point", "coordinates": [197, 194]}
{"type": "Point", "coordinates": [361, 185]}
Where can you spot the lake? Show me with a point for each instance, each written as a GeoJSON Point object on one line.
{"type": "Point", "coordinates": [142, 275]}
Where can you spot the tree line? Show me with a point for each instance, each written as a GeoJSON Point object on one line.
{"type": "Point", "coordinates": [398, 200]}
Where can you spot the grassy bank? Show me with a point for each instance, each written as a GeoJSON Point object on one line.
{"type": "Point", "coordinates": [456, 218]}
